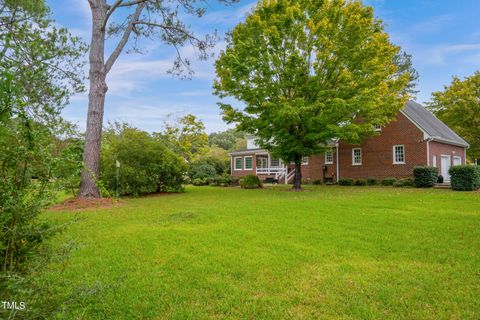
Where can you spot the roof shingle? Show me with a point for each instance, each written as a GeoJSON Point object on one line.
{"type": "Point", "coordinates": [435, 128]}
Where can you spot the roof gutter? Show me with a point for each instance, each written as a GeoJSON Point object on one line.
{"type": "Point", "coordinates": [447, 141]}
{"type": "Point", "coordinates": [239, 153]}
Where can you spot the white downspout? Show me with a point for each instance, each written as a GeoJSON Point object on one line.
{"type": "Point", "coordinates": [428, 152]}
{"type": "Point", "coordinates": [268, 163]}
{"type": "Point", "coordinates": [338, 167]}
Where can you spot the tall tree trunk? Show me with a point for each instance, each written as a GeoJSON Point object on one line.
{"type": "Point", "coordinates": [297, 178]}
{"type": "Point", "coordinates": [96, 103]}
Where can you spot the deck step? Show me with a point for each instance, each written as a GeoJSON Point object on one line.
{"type": "Point", "coordinates": [442, 186]}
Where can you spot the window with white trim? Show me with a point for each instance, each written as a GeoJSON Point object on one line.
{"type": "Point", "coordinates": [274, 162]}
{"type": "Point", "coordinates": [328, 157]}
{"type": "Point", "coordinates": [237, 163]}
{"type": "Point", "coordinates": [399, 154]}
{"type": "Point", "coordinates": [457, 161]}
{"type": "Point", "coordinates": [357, 156]}
{"type": "Point", "coordinates": [248, 163]}
{"type": "Point", "coordinates": [434, 161]}
{"type": "Point", "coordinates": [377, 127]}
{"type": "Point", "coordinates": [304, 161]}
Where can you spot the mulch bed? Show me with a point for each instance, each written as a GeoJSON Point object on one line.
{"type": "Point", "coordinates": [74, 204]}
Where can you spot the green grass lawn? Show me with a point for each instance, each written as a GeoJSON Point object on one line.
{"type": "Point", "coordinates": [226, 253]}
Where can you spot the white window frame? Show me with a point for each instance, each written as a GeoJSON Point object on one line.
{"type": "Point", "coordinates": [305, 161]}
{"type": "Point", "coordinates": [353, 157]}
{"type": "Point", "coordinates": [377, 127]}
{"type": "Point", "coordinates": [245, 163]}
{"type": "Point", "coordinates": [326, 157]}
{"type": "Point", "coordinates": [235, 164]}
{"type": "Point", "coordinates": [434, 160]}
{"type": "Point", "coordinates": [457, 157]}
{"type": "Point", "coordinates": [274, 166]}
{"type": "Point", "coordinates": [394, 150]}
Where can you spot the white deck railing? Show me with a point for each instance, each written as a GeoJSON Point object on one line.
{"type": "Point", "coordinates": [271, 170]}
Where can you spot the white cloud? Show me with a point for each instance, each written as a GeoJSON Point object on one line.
{"type": "Point", "coordinates": [452, 52]}
{"type": "Point", "coordinates": [128, 76]}
{"type": "Point", "coordinates": [228, 17]}
{"type": "Point", "coordinates": [196, 93]}
{"type": "Point", "coordinates": [150, 116]}
{"type": "Point", "coordinates": [433, 24]}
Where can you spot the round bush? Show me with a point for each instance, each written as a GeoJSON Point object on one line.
{"type": "Point", "coordinates": [251, 182]}
{"type": "Point", "coordinates": [361, 182]}
{"type": "Point", "coordinates": [345, 182]}
{"type": "Point", "coordinates": [372, 181]}
{"type": "Point", "coordinates": [425, 177]}
{"type": "Point", "coordinates": [147, 165]}
{"type": "Point", "coordinates": [465, 178]}
{"type": "Point", "coordinates": [389, 181]}
{"type": "Point", "coordinates": [202, 170]}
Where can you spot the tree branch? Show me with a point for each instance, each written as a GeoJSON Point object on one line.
{"type": "Point", "coordinates": [111, 9]}
{"type": "Point", "coordinates": [132, 3]}
{"type": "Point", "coordinates": [126, 35]}
{"type": "Point", "coordinates": [165, 27]}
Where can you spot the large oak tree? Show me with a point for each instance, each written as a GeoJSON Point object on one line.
{"type": "Point", "coordinates": [310, 72]}
{"type": "Point", "coordinates": [131, 20]}
{"type": "Point", "coordinates": [458, 105]}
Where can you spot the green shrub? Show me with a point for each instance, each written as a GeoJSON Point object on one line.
{"type": "Point", "coordinates": [251, 181]}
{"type": "Point", "coordinates": [317, 182]}
{"type": "Point", "coordinates": [404, 182]}
{"type": "Point", "coordinates": [234, 181]}
{"type": "Point", "coordinates": [345, 182]}
{"type": "Point", "coordinates": [361, 182]}
{"type": "Point", "coordinates": [221, 181]}
{"type": "Point", "coordinates": [389, 181]}
{"type": "Point", "coordinates": [465, 178]}
{"type": "Point", "coordinates": [146, 164]}
{"type": "Point", "coordinates": [372, 181]}
{"type": "Point", "coordinates": [200, 182]}
{"type": "Point", "coordinates": [201, 170]}
{"type": "Point", "coordinates": [425, 177]}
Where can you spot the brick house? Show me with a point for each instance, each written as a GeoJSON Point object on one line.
{"type": "Point", "coordinates": [415, 138]}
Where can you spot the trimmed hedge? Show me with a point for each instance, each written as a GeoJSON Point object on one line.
{"type": "Point", "coordinates": [389, 181]}
{"type": "Point", "coordinates": [465, 178]}
{"type": "Point", "coordinates": [372, 181]}
{"type": "Point", "coordinates": [251, 181]}
{"type": "Point", "coordinates": [425, 177]}
{"type": "Point", "coordinates": [345, 182]}
{"type": "Point", "coordinates": [404, 182]}
{"type": "Point", "coordinates": [361, 182]}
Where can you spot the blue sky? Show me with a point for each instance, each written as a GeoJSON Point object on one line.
{"type": "Point", "coordinates": [442, 35]}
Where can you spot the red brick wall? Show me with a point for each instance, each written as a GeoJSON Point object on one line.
{"type": "Point", "coordinates": [243, 172]}
{"type": "Point", "coordinates": [377, 152]}
{"type": "Point", "coordinates": [314, 169]}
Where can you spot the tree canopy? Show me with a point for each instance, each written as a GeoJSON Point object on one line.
{"type": "Point", "coordinates": [309, 72]}
{"type": "Point", "coordinates": [229, 139]}
{"type": "Point", "coordinates": [127, 22]}
{"type": "Point", "coordinates": [186, 137]}
{"type": "Point", "coordinates": [458, 105]}
{"type": "Point", "coordinates": [44, 59]}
